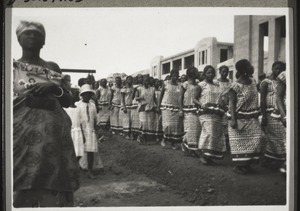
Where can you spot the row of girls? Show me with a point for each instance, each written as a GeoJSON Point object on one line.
{"type": "Point", "coordinates": [205, 117]}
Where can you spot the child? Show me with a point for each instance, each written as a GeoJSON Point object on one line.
{"type": "Point", "coordinates": [87, 118]}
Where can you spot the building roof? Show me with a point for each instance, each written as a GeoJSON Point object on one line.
{"type": "Point", "coordinates": [143, 72]}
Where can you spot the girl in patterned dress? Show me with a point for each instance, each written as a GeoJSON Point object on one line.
{"type": "Point", "coordinates": [225, 84]}
{"type": "Point", "coordinates": [115, 105]}
{"type": "Point", "coordinates": [171, 110]}
{"type": "Point", "coordinates": [103, 97]}
{"type": "Point", "coordinates": [192, 127]}
{"type": "Point", "coordinates": [275, 152]}
{"type": "Point", "coordinates": [158, 118]}
{"type": "Point", "coordinates": [125, 113]}
{"type": "Point", "coordinates": [245, 133]}
{"type": "Point", "coordinates": [145, 95]}
{"type": "Point", "coordinates": [211, 111]}
{"type": "Point", "coordinates": [281, 105]}
{"type": "Point", "coordinates": [135, 120]}
{"type": "Point", "coordinates": [45, 168]}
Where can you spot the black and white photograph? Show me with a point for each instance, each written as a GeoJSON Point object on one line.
{"type": "Point", "coordinates": [151, 108]}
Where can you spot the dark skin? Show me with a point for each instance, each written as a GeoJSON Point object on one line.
{"type": "Point", "coordinates": [103, 83]}
{"type": "Point", "coordinates": [224, 73]}
{"type": "Point", "coordinates": [209, 76]}
{"type": "Point", "coordinates": [118, 85]}
{"type": "Point", "coordinates": [31, 42]}
{"type": "Point", "coordinates": [263, 95]}
{"type": "Point", "coordinates": [281, 92]}
{"type": "Point", "coordinates": [129, 82]}
{"type": "Point", "coordinates": [173, 81]}
{"type": "Point", "coordinates": [192, 80]}
{"type": "Point", "coordinates": [245, 80]}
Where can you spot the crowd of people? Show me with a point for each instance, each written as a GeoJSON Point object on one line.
{"type": "Point", "coordinates": [57, 128]}
{"type": "Point", "coordinates": [204, 116]}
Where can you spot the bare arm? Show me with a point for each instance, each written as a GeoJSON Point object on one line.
{"type": "Point", "coordinates": [263, 101]}
{"type": "Point", "coordinates": [232, 105]}
{"type": "Point", "coordinates": [197, 97]}
{"type": "Point", "coordinates": [161, 95]}
{"type": "Point", "coordinates": [123, 102]}
{"type": "Point", "coordinates": [281, 88]}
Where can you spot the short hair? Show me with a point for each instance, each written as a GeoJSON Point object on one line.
{"type": "Point", "coordinates": [82, 81]}
{"type": "Point", "coordinates": [191, 70]}
{"type": "Point", "coordinates": [242, 67]}
{"type": "Point", "coordinates": [129, 77]}
{"type": "Point", "coordinates": [174, 71]}
{"type": "Point", "coordinates": [206, 68]}
{"type": "Point", "coordinates": [281, 65]}
{"type": "Point", "coordinates": [223, 67]}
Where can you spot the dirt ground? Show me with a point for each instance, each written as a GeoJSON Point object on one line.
{"type": "Point", "coordinates": [140, 175]}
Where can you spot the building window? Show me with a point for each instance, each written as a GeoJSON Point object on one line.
{"type": "Point", "coordinates": [223, 55]}
{"type": "Point", "coordinates": [203, 57]}
{"type": "Point", "coordinates": [154, 71]}
{"type": "Point", "coordinates": [263, 46]}
{"type": "Point", "coordinates": [177, 64]}
{"type": "Point", "coordinates": [166, 68]}
{"type": "Point", "coordinates": [280, 23]}
{"type": "Point", "coordinates": [188, 61]}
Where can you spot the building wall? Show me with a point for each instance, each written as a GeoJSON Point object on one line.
{"type": "Point", "coordinates": [209, 45]}
{"type": "Point", "coordinates": [248, 42]}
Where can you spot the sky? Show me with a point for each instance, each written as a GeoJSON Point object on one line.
{"type": "Point", "coordinates": [122, 40]}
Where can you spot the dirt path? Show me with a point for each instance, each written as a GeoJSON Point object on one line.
{"type": "Point", "coordinates": [139, 175]}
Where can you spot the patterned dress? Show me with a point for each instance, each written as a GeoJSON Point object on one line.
{"type": "Point", "coordinates": [146, 110]}
{"type": "Point", "coordinates": [224, 88]}
{"type": "Point", "coordinates": [45, 168]}
{"type": "Point", "coordinates": [135, 120]}
{"type": "Point", "coordinates": [171, 119]}
{"type": "Point", "coordinates": [115, 123]}
{"type": "Point", "coordinates": [192, 127]}
{"type": "Point", "coordinates": [245, 140]}
{"type": "Point", "coordinates": [103, 114]}
{"type": "Point", "coordinates": [126, 117]}
{"type": "Point", "coordinates": [212, 140]}
{"type": "Point", "coordinates": [274, 130]}
{"type": "Point", "coordinates": [158, 118]}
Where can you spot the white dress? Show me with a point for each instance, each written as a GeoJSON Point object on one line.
{"type": "Point", "coordinates": [76, 133]}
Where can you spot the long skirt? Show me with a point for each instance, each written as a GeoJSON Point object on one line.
{"type": "Point", "coordinates": [158, 125]}
{"type": "Point", "coordinates": [147, 120]}
{"type": "Point", "coordinates": [43, 151]}
{"type": "Point", "coordinates": [172, 124]}
{"type": "Point", "coordinates": [245, 141]}
{"type": "Point", "coordinates": [43, 198]}
{"type": "Point", "coordinates": [212, 140]}
{"type": "Point", "coordinates": [192, 129]}
{"type": "Point", "coordinates": [135, 120]}
{"type": "Point", "coordinates": [115, 123]}
{"type": "Point", "coordinates": [103, 116]}
{"type": "Point", "coordinates": [125, 119]}
{"type": "Point", "coordinates": [276, 139]}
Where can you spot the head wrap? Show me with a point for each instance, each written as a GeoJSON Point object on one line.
{"type": "Point", "coordinates": [29, 26]}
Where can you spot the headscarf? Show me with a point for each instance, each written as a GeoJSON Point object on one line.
{"type": "Point", "coordinates": [27, 26]}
